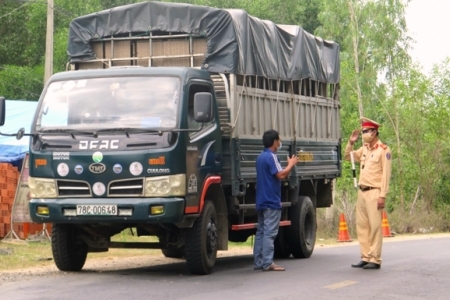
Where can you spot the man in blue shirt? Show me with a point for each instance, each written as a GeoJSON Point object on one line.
{"type": "Point", "coordinates": [269, 174]}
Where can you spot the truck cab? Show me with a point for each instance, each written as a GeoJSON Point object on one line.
{"type": "Point", "coordinates": [123, 148]}
{"type": "Point", "coordinates": [122, 142]}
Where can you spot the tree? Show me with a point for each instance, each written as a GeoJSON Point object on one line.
{"type": "Point", "coordinates": [373, 40]}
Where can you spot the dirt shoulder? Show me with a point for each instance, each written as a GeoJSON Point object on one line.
{"type": "Point", "coordinates": [105, 264]}
{"type": "Point", "coordinates": [112, 263]}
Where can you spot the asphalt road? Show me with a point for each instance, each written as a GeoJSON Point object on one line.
{"type": "Point", "coordinates": [413, 269]}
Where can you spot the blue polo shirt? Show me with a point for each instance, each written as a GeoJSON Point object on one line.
{"type": "Point", "coordinates": [268, 186]}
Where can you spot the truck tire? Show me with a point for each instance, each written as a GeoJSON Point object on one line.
{"type": "Point", "coordinates": [69, 252]}
{"type": "Point", "coordinates": [302, 232]}
{"type": "Point", "coordinates": [201, 242]}
{"type": "Point", "coordinates": [281, 247]}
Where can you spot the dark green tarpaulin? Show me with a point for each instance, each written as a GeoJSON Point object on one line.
{"type": "Point", "coordinates": [237, 42]}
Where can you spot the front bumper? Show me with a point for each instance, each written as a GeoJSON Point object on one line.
{"type": "Point", "coordinates": [173, 210]}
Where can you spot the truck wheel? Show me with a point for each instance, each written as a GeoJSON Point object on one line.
{"type": "Point", "coordinates": [302, 232]}
{"type": "Point", "coordinates": [201, 242]}
{"type": "Point", "coordinates": [281, 244]}
{"type": "Point", "coordinates": [69, 252]}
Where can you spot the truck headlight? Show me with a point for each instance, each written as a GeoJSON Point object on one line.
{"type": "Point", "coordinates": [42, 187]}
{"type": "Point", "coordinates": [165, 186]}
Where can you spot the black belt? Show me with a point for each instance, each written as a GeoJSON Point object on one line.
{"type": "Point", "coordinates": [366, 188]}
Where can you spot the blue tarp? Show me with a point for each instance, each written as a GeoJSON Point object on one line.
{"type": "Point", "coordinates": [18, 114]}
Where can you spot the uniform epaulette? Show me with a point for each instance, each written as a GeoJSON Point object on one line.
{"type": "Point", "coordinates": [383, 146]}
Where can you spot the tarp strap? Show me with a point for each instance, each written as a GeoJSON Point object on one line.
{"type": "Point", "coordinates": [276, 105]}
{"type": "Point", "coordinates": [292, 102]}
{"type": "Point", "coordinates": [244, 87]}
{"type": "Point", "coordinates": [332, 106]}
{"type": "Point", "coordinates": [313, 117]}
{"type": "Point", "coordinates": [299, 105]}
{"type": "Point", "coordinates": [255, 107]}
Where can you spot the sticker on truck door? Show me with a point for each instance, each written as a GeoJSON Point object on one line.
{"type": "Point", "coordinates": [192, 184]}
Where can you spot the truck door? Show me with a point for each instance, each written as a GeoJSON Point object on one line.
{"type": "Point", "coordinates": [203, 151]}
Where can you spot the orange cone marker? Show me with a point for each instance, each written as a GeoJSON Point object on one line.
{"type": "Point", "coordinates": [385, 226]}
{"type": "Point", "coordinates": [343, 230]}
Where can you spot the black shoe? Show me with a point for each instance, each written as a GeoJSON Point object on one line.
{"type": "Point", "coordinates": [361, 264]}
{"type": "Point", "coordinates": [371, 266]}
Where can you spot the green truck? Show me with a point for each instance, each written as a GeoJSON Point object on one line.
{"type": "Point", "coordinates": [157, 123]}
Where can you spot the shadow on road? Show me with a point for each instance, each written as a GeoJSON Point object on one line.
{"type": "Point", "coordinates": [177, 267]}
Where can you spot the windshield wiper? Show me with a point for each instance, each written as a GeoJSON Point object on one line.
{"type": "Point", "coordinates": [128, 130]}
{"type": "Point", "coordinates": [72, 132]}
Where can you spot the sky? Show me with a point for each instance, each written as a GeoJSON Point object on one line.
{"type": "Point", "coordinates": [428, 23]}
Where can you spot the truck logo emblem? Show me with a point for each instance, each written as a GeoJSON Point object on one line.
{"type": "Point", "coordinates": [97, 168]}
{"type": "Point", "coordinates": [158, 171]}
{"type": "Point", "coordinates": [61, 155]}
{"type": "Point", "coordinates": [95, 144]}
{"type": "Point", "coordinates": [97, 157]}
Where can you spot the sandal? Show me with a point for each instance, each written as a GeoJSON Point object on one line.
{"type": "Point", "coordinates": [274, 267]}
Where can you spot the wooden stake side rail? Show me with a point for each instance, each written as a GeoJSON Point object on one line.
{"type": "Point", "coordinates": [255, 225]}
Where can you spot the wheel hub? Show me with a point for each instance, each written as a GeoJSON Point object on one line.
{"type": "Point", "coordinates": [211, 238]}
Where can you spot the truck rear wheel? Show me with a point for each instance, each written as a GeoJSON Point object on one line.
{"type": "Point", "coordinates": [201, 242]}
{"type": "Point", "coordinates": [302, 232]}
{"type": "Point", "coordinates": [69, 252]}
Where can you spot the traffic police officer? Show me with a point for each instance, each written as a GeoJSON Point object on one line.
{"type": "Point", "coordinates": [375, 171]}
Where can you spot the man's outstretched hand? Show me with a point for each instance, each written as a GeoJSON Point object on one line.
{"type": "Point", "coordinates": [292, 161]}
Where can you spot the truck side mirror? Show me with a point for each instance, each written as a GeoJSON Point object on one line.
{"type": "Point", "coordinates": [203, 112]}
{"type": "Point", "coordinates": [2, 111]}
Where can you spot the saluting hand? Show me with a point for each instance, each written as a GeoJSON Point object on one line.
{"type": "Point", "coordinates": [354, 136]}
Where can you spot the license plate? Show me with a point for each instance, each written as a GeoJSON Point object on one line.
{"type": "Point", "coordinates": [96, 210]}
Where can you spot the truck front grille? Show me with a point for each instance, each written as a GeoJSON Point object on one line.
{"type": "Point", "coordinates": [126, 187]}
{"type": "Point", "coordinates": [68, 188]}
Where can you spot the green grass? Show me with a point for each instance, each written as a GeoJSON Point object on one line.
{"type": "Point", "coordinates": [24, 255]}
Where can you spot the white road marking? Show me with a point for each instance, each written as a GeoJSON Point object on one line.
{"type": "Point", "coordinates": [340, 284]}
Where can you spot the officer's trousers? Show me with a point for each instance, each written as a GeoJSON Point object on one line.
{"type": "Point", "coordinates": [368, 225]}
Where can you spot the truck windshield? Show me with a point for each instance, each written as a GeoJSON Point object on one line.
{"type": "Point", "coordinates": [110, 102]}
